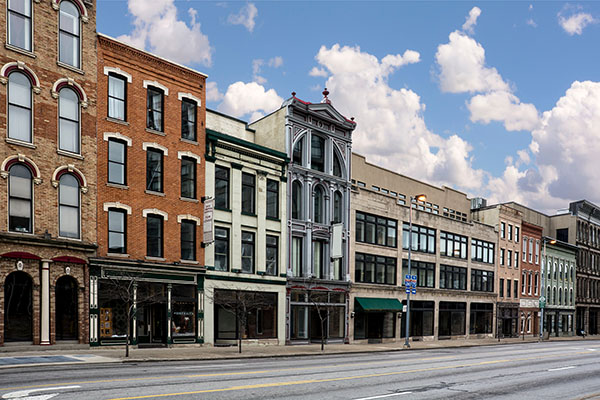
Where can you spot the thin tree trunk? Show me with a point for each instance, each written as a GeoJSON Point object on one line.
{"type": "Point", "coordinates": [322, 335]}
{"type": "Point", "coordinates": [128, 331]}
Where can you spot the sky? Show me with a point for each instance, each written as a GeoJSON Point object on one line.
{"type": "Point", "coordinates": [500, 100]}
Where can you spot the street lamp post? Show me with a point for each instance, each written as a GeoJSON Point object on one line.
{"type": "Point", "coordinates": [543, 296]}
{"type": "Point", "coordinates": [418, 198]}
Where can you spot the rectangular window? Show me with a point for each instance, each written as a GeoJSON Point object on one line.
{"type": "Point", "coordinates": [319, 259]}
{"type": "Point", "coordinates": [501, 289]}
{"type": "Point", "coordinates": [116, 231]}
{"type": "Point", "coordinates": [221, 187]}
{"type": "Point", "coordinates": [510, 231]}
{"type": "Point", "coordinates": [516, 288]}
{"type": "Point", "coordinates": [453, 277]}
{"type": "Point", "coordinates": [117, 89]}
{"type": "Point", "coordinates": [516, 264]}
{"type": "Point", "coordinates": [425, 272]}
{"type": "Point", "coordinates": [452, 318]}
{"type": "Point", "coordinates": [375, 269]}
{"type": "Point", "coordinates": [482, 251]}
{"type": "Point", "coordinates": [248, 193]}
{"type": "Point", "coordinates": [530, 250]}
{"type": "Point", "coordinates": [248, 252]}
{"type": "Point", "coordinates": [117, 156]}
{"type": "Point", "coordinates": [516, 234]}
{"type": "Point", "coordinates": [536, 283]}
{"type": "Point", "coordinates": [188, 240]}
{"type": "Point", "coordinates": [524, 252]}
{"type": "Point", "coordinates": [502, 230]}
{"type": "Point", "coordinates": [272, 198]}
{"type": "Point", "coordinates": [482, 318]}
{"type": "Point", "coordinates": [452, 245]}
{"type": "Point", "coordinates": [509, 258]}
{"type": "Point", "coordinates": [188, 178]}
{"type": "Point", "coordinates": [423, 238]}
{"type": "Point", "coordinates": [188, 119]}
{"type": "Point", "coordinates": [501, 256]}
{"type": "Point", "coordinates": [508, 291]}
{"type": "Point", "coordinates": [154, 235]}
{"type": "Point", "coordinates": [154, 170]}
{"type": "Point", "coordinates": [376, 230]}
{"type": "Point", "coordinates": [221, 249]}
{"type": "Point", "coordinates": [69, 35]}
{"type": "Point", "coordinates": [529, 278]}
{"type": "Point", "coordinates": [297, 249]}
{"type": "Point", "coordinates": [482, 281]}
{"type": "Point", "coordinates": [272, 255]}
{"type": "Point", "coordinates": [537, 251]}
{"type": "Point", "coordinates": [523, 274]}
{"type": "Point", "coordinates": [154, 116]}
{"type": "Point", "coordinates": [19, 23]}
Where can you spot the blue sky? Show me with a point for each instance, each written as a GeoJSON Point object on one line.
{"type": "Point", "coordinates": [498, 99]}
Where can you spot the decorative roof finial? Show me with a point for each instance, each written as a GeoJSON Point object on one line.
{"type": "Point", "coordinates": [293, 94]}
{"type": "Point", "coordinates": [325, 99]}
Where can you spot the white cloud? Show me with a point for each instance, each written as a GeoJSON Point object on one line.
{"type": "Point", "coordinates": [318, 72]}
{"type": "Point", "coordinates": [212, 92]}
{"type": "Point", "coordinates": [531, 23]}
{"type": "Point", "coordinates": [391, 128]}
{"type": "Point", "coordinates": [574, 23]}
{"type": "Point", "coordinates": [249, 98]}
{"type": "Point", "coordinates": [505, 107]}
{"type": "Point", "coordinates": [257, 65]}
{"type": "Point", "coordinates": [158, 29]}
{"type": "Point", "coordinates": [471, 20]}
{"type": "Point", "coordinates": [276, 62]}
{"type": "Point", "coordinates": [245, 17]}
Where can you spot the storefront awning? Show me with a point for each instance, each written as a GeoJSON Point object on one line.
{"type": "Point", "coordinates": [377, 304]}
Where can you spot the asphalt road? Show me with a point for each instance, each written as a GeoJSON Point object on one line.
{"type": "Point", "coordinates": [558, 370]}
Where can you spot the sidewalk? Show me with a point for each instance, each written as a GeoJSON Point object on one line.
{"type": "Point", "coordinates": [36, 355]}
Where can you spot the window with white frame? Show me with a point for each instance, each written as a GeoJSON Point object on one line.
{"type": "Point", "coordinates": [117, 97]}
{"type": "Point", "coordinates": [19, 107]}
{"type": "Point", "coordinates": [69, 34]}
{"type": "Point", "coordinates": [69, 206]}
{"type": "Point", "coordinates": [530, 250]}
{"type": "Point", "coordinates": [68, 129]}
{"type": "Point", "coordinates": [19, 24]}
{"type": "Point", "coordinates": [537, 251]}
{"type": "Point", "coordinates": [117, 225]}
{"type": "Point", "coordinates": [20, 199]}
{"type": "Point", "coordinates": [188, 119]}
{"type": "Point", "coordinates": [117, 161]}
{"type": "Point", "coordinates": [524, 248]}
{"type": "Point", "coordinates": [188, 240]}
{"type": "Point", "coordinates": [154, 170]}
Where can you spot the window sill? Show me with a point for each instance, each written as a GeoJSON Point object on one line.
{"type": "Point", "coordinates": [189, 200]}
{"type": "Point", "coordinates": [69, 154]}
{"type": "Point", "coordinates": [191, 262]}
{"type": "Point", "coordinates": [20, 143]}
{"type": "Point", "coordinates": [20, 50]}
{"type": "Point", "coordinates": [70, 238]}
{"type": "Point", "coordinates": [117, 121]}
{"type": "Point", "coordinates": [223, 209]}
{"type": "Point", "coordinates": [150, 258]}
{"type": "Point", "coordinates": [120, 255]}
{"type": "Point", "coordinates": [194, 142]}
{"type": "Point", "coordinates": [117, 185]}
{"type": "Point", "coordinates": [160, 194]}
{"type": "Point", "coordinates": [159, 133]}
{"type": "Point", "coordinates": [70, 67]}
{"type": "Point", "coordinates": [273, 219]}
{"type": "Point", "coordinates": [248, 214]}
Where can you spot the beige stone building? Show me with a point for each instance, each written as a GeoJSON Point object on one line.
{"type": "Point", "coordinates": [452, 257]}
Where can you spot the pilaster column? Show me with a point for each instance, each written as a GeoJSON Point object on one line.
{"type": "Point", "coordinates": [45, 303]}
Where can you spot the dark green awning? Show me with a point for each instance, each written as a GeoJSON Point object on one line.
{"type": "Point", "coordinates": [377, 304]}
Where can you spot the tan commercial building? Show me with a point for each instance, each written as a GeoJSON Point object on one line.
{"type": "Point", "coordinates": [452, 257]}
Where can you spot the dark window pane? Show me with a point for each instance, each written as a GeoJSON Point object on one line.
{"type": "Point", "coordinates": [154, 107]}
{"type": "Point", "coordinates": [116, 231]}
{"type": "Point", "coordinates": [68, 195]}
{"type": "Point", "coordinates": [188, 120]}
{"type": "Point", "coordinates": [116, 161]}
{"type": "Point", "coordinates": [19, 107]}
{"type": "Point", "coordinates": [317, 153]}
{"type": "Point", "coordinates": [188, 240]}
{"type": "Point", "coordinates": [247, 252]}
{"type": "Point", "coordinates": [154, 170]}
{"type": "Point", "coordinates": [272, 254]}
{"type": "Point", "coordinates": [188, 178]}
{"type": "Point", "coordinates": [297, 156]}
{"type": "Point", "coordinates": [154, 236]}
{"type": "Point", "coordinates": [221, 249]}
{"type": "Point", "coordinates": [221, 187]}
{"type": "Point", "coordinates": [272, 198]}
{"type": "Point", "coordinates": [20, 199]}
{"type": "Point", "coordinates": [248, 193]}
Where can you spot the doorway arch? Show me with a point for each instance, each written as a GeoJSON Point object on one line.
{"type": "Point", "coordinates": [18, 307]}
{"type": "Point", "coordinates": [67, 315]}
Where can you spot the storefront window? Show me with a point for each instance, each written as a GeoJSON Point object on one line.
{"type": "Point", "coordinates": [421, 318]}
{"type": "Point", "coordinates": [261, 318]}
{"type": "Point", "coordinates": [183, 305]}
{"type": "Point", "coordinates": [113, 312]}
{"type": "Point", "coordinates": [452, 318]}
{"type": "Point", "coordinates": [481, 318]}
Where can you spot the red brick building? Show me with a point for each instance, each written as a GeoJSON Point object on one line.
{"type": "Point", "coordinates": [530, 278]}
{"type": "Point", "coordinates": [151, 118]}
{"type": "Point", "coordinates": [47, 169]}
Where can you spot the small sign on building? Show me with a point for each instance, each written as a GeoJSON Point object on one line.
{"type": "Point", "coordinates": [208, 225]}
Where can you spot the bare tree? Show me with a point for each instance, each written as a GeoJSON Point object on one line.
{"type": "Point", "coordinates": [241, 304]}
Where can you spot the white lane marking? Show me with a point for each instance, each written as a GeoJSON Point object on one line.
{"type": "Point", "coordinates": [383, 395]}
{"type": "Point", "coordinates": [209, 366]}
{"type": "Point", "coordinates": [592, 349]}
{"type": "Point", "coordinates": [24, 394]}
{"type": "Point", "coordinates": [560, 369]}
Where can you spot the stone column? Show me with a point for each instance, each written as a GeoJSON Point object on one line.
{"type": "Point", "coordinates": [45, 303]}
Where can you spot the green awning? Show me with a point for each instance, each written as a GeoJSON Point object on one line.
{"type": "Point", "coordinates": [377, 304]}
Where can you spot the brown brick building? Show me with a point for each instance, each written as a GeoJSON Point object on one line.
{"type": "Point", "coordinates": [151, 141]}
{"type": "Point", "coordinates": [47, 169]}
{"type": "Point", "coordinates": [530, 278]}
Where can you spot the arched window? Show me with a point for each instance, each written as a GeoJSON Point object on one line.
{"type": "Point", "coordinates": [19, 23]}
{"type": "Point", "coordinates": [19, 107]}
{"type": "Point", "coordinates": [68, 202]}
{"type": "Point", "coordinates": [68, 129]}
{"type": "Point", "coordinates": [572, 299]}
{"type": "Point", "coordinates": [337, 165]}
{"type": "Point", "coordinates": [69, 34]}
{"type": "Point", "coordinates": [317, 153]}
{"type": "Point", "coordinates": [560, 296]}
{"type": "Point", "coordinates": [297, 153]}
{"type": "Point", "coordinates": [554, 295]}
{"type": "Point", "coordinates": [296, 200]}
{"type": "Point", "coordinates": [338, 207]}
{"type": "Point", "coordinates": [319, 205]}
{"type": "Point", "coordinates": [20, 199]}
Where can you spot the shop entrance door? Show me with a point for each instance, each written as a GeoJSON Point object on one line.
{"type": "Point", "coordinates": [66, 309]}
{"type": "Point", "coordinates": [18, 308]}
{"type": "Point", "coordinates": [152, 324]}
{"type": "Point", "coordinates": [374, 326]}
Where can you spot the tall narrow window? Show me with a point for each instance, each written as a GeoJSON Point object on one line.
{"type": "Point", "coordinates": [68, 193]}
{"type": "Point", "coordinates": [69, 34]}
{"type": "Point", "coordinates": [319, 259]}
{"type": "Point", "coordinates": [296, 200]}
{"type": "Point", "coordinates": [248, 193]}
{"type": "Point", "coordinates": [154, 170]}
{"type": "Point", "coordinates": [337, 165]}
{"type": "Point", "coordinates": [272, 198]}
{"type": "Point", "coordinates": [19, 107]}
{"type": "Point", "coordinates": [247, 252]}
{"type": "Point", "coordinates": [188, 240]}
{"type": "Point", "coordinates": [297, 250]}
{"type": "Point", "coordinates": [297, 154]}
{"type": "Point", "coordinates": [188, 119]}
{"type": "Point", "coordinates": [319, 205]}
{"type": "Point", "coordinates": [117, 87]}
{"type": "Point", "coordinates": [116, 231]}
{"type": "Point", "coordinates": [272, 254]}
{"type": "Point", "coordinates": [154, 118]}
{"type": "Point", "coordinates": [68, 136]}
{"type": "Point", "coordinates": [117, 156]}
{"type": "Point", "coordinates": [338, 207]}
{"type": "Point", "coordinates": [154, 235]}
{"type": "Point", "coordinates": [221, 187]}
{"type": "Point", "coordinates": [20, 199]}
{"type": "Point", "coordinates": [19, 23]}
{"type": "Point", "coordinates": [188, 178]}
{"type": "Point", "coordinates": [317, 153]}
{"type": "Point", "coordinates": [221, 249]}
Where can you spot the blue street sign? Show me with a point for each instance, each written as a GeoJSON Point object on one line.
{"type": "Point", "coordinates": [407, 291]}
{"type": "Point", "coordinates": [407, 277]}
{"type": "Point", "coordinates": [414, 291]}
{"type": "Point", "coordinates": [414, 278]}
